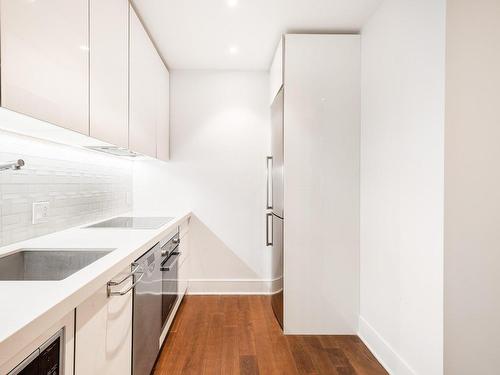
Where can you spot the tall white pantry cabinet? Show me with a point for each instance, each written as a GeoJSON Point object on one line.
{"type": "Point", "coordinates": [320, 76]}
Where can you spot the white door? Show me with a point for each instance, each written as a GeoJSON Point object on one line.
{"type": "Point", "coordinates": [109, 71]}
{"type": "Point", "coordinates": [143, 89]}
{"type": "Point", "coordinates": [104, 333]}
{"type": "Point", "coordinates": [45, 60]}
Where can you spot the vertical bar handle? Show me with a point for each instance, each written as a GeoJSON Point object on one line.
{"type": "Point", "coordinates": [269, 164]}
{"type": "Point", "coordinates": [269, 242]}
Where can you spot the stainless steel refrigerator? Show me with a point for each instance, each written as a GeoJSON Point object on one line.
{"type": "Point", "coordinates": [275, 215]}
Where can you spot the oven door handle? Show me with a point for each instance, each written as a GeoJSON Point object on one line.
{"type": "Point", "coordinates": [164, 248]}
{"type": "Point", "coordinates": [123, 292]}
{"type": "Point", "coordinates": [170, 262]}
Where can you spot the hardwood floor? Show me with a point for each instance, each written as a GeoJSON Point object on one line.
{"type": "Point", "coordinates": [239, 335]}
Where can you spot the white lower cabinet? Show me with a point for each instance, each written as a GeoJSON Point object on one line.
{"type": "Point", "coordinates": [104, 332]}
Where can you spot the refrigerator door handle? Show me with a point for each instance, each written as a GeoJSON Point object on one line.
{"type": "Point", "coordinates": [269, 242]}
{"type": "Point", "coordinates": [269, 164]}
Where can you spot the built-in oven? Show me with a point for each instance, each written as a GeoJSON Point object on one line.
{"type": "Point", "coordinates": [155, 294]}
{"type": "Point", "coordinates": [46, 360]}
{"type": "Point", "coordinates": [169, 268]}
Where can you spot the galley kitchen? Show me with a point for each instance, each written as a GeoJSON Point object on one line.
{"type": "Point", "coordinates": [249, 187]}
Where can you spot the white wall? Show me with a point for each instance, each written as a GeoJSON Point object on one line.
{"type": "Point", "coordinates": [472, 194]}
{"type": "Point", "coordinates": [220, 134]}
{"type": "Point", "coordinates": [402, 161]}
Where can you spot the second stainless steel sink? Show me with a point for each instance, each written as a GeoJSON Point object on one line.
{"type": "Point", "coordinates": [47, 264]}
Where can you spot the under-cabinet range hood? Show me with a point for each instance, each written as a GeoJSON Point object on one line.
{"type": "Point", "coordinates": [114, 150]}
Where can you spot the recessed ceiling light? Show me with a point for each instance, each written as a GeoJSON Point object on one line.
{"type": "Point", "coordinates": [233, 50]}
{"type": "Point", "coordinates": [232, 3]}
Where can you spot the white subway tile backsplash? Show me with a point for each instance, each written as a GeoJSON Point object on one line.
{"type": "Point", "coordinates": [81, 186]}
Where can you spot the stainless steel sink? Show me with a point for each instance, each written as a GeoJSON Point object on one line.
{"type": "Point", "coordinates": [47, 264]}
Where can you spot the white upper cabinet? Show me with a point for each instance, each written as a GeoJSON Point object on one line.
{"type": "Point", "coordinates": [163, 113]}
{"type": "Point", "coordinates": [87, 66]}
{"type": "Point", "coordinates": [45, 60]}
{"type": "Point", "coordinates": [276, 72]}
{"type": "Point", "coordinates": [109, 71]}
{"type": "Point", "coordinates": [143, 89]}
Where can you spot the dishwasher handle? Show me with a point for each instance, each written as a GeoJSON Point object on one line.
{"type": "Point", "coordinates": [126, 277]}
{"type": "Point", "coordinates": [123, 292]}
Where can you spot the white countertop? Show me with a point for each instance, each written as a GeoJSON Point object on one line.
{"type": "Point", "coordinates": [29, 308]}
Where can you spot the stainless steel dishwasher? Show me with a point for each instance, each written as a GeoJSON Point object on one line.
{"type": "Point", "coordinates": [147, 317]}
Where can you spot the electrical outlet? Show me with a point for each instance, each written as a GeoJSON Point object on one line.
{"type": "Point", "coordinates": [40, 212]}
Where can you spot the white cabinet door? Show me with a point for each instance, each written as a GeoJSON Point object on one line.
{"type": "Point", "coordinates": [104, 333]}
{"type": "Point", "coordinates": [276, 72]}
{"type": "Point", "coordinates": [109, 71]}
{"type": "Point", "coordinates": [143, 89]}
{"type": "Point", "coordinates": [45, 60]}
{"type": "Point", "coordinates": [163, 113]}
{"type": "Point", "coordinates": [321, 133]}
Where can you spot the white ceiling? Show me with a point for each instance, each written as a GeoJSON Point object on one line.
{"type": "Point", "coordinates": [198, 34]}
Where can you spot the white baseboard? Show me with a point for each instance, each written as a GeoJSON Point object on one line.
{"type": "Point", "coordinates": [383, 351]}
{"type": "Point", "coordinates": [233, 286]}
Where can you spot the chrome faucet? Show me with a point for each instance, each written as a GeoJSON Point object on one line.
{"type": "Point", "coordinates": [13, 165]}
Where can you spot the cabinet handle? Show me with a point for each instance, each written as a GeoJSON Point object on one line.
{"type": "Point", "coordinates": [269, 164]}
{"type": "Point", "coordinates": [269, 242]}
{"type": "Point", "coordinates": [123, 292]}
